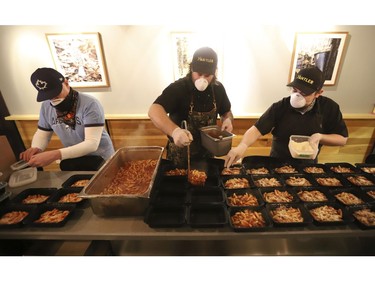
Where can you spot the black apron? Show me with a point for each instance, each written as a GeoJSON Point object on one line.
{"type": "Point", "coordinates": [195, 121]}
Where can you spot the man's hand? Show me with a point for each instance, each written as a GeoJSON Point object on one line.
{"type": "Point", "coordinates": [182, 137]}
{"type": "Point", "coordinates": [235, 154]}
{"type": "Point", "coordinates": [227, 125]}
{"type": "Point", "coordinates": [27, 154]}
{"type": "Point", "coordinates": [44, 158]}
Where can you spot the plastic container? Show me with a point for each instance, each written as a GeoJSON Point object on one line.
{"type": "Point", "coordinates": [45, 191]}
{"type": "Point", "coordinates": [23, 177]}
{"type": "Point", "coordinates": [251, 226]}
{"type": "Point", "coordinates": [213, 215]}
{"type": "Point", "coordinates": [19, 165]}
{"type": "Point", "coordinates": [215, 140]}
{"type": "Point", "coordinates": [300, 147]}
{"type": "Point", "coordinates": [163, 216]}
{"type": "Point", "coordinates": [31, 220]}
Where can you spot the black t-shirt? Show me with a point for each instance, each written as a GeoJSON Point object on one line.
{"type": "Point", "coordinates": [177, 96]}
{"type": "Point", "coordinates": [283, 121]}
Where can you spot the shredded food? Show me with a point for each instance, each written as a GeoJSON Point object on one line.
{"type": "Point", "coordinates": [314, 170]}
{"type": "Point", "coordinates": [326, 214]}
{"type": "Point", "coordinates": [248, 218]}
{"type": "Point", "coordinates": [298, 181]}
{"type": "Point", "coordinates": [133, 178]}
{"type": "Point", "coordinates": [176, 172]}
{"type": "Point", "coordinates": [365, 216]}
{"type": "Point", "coordinates": [80, 183]}
{"type": "Point", "coordinates": [258, 171]}
{"type": "Point", "coordinates": [285, 214]}
{"type": "Point", "coordinates": [35, 199]}
{"type": "Point", "coordinates": [341, 169]}
{"type": "Point", "coordinates": [312, 196]}
{"type": "Point", "coordinates": [231, 171]}
{"type": "Point", "coordinates": [348, 198]}
{"type": "Point", "coordinates": [13, 217]}
{"type": "Point", "coordinates": [278, 196]}
{"type": "Point", "coordinates": [52, 216]}
{"type": "Point", "coordinates": [236, 183]}
{"type": "Point", "coordinates": [360, 180]}
{"type": "Point", "coordinates": [371, 193]}
{"type": "Point", "coordinates": [196, 177]}
{"type": "Point", "coordinates": [329, 181]}
{"type": "Point", "coordinates": [70, 198]}
{"type": "Point", "coordinates": [287, 169]}
{"type": "Point", "coordinates": [370, 170]}
{"type": "Point", "coordinates": [246, 199]}
{"type": "Point", "coordinates": [267, 182]}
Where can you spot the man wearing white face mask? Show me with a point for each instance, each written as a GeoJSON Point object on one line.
{"type": "Point", "coordinates": [305, 112]}
{"type": "Point", "coordinates": [76, 118]}
{"type": "Point", "coordinates": [197, 98]}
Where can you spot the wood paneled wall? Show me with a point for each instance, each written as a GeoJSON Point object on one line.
{"type": "Point", "coordinates": [141, 132]}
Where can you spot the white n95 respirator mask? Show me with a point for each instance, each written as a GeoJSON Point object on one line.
{"type": "Point", "coordinates": [201, 84]}
{"type": "Point", "coordinates": [297, 100]}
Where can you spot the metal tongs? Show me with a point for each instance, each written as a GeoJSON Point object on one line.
{"type": "Point", "coordinates": [184, 126]}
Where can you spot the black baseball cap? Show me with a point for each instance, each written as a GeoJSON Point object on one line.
{"type": "Point", "coordinates": [48, 83]}
{"type": "Point", "coordinates": [308, 80]}
{"type": "Point", "coordinates": [204, 61]}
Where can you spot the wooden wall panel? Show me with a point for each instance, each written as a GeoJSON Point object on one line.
{"type": "Point", "coordinates": [141, 132]}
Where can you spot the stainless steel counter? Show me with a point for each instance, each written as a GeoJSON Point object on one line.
{"type": "Point", "coordinates": [85, 225]}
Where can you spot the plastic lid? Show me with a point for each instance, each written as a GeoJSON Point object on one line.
{"type": "Point", "coordinates": [23, 177]}
{"type": "Point", "coordinates": [19, 165]}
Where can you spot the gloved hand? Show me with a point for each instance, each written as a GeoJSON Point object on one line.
{"type": "Point", "coordinates": [234, 154]}
{"type": "Point", "coordinates": [181, 137]}
{"type": "Point", "coordinates": [227, 125]}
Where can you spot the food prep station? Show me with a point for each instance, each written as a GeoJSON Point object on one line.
{"type": "Point", "coordinates": [180, 219]}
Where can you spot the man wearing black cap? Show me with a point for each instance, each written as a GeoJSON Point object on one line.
{"type": "Point", "coordinates": [76, 118]}
{"type": "Point", "coordinates": [197, 98]}
{"type": "Point", "coordinates": [305, 112]}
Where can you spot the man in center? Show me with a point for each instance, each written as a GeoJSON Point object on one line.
{"type": "Point", "coordinates": [197, 98]}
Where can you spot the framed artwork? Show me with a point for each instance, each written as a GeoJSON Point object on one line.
{"type": "Point", "coordinates": [79, 57]}
{"type": "Point", "coordinates": [323, 50]}
{"type": "Point", "coordinates": [184, 44]}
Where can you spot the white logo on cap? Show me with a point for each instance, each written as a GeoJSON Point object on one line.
{"type": "Point", "coordinates": [41, 85]}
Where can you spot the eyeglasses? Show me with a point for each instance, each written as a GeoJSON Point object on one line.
{"type": "Point", "coordinates": [295, 90]}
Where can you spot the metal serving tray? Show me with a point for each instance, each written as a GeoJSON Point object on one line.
{"type": "Point", "coordinates": [120, 204]}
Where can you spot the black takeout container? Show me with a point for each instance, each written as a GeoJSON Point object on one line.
{"type": "Point", "coordinates": [48, 191]}
{"type": "Point", "coordinates": [233, 210]}
{"type": "Point", "coordinates": [165, 216]}
{"type": "Point", "coordinates": [207, 215]}
{"type": "Point", "coordinates": [31, 220]}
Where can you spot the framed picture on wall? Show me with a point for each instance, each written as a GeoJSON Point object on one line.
{"type": "Point", "coordinates": [324, 50]}
{"type": "Point", "coordinates": [79, 57]}
{"type": "Point", "coordinates": [184, 44]}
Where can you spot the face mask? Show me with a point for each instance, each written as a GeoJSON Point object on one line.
{"type": "Point", "coordinates": [56, 101]}
{"type": "Point", "coordinates": [297, 100]}
{"type": "Point", "coordinates": [201, 84]}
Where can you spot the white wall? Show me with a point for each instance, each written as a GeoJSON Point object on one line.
{"type": "Point", "coordinates": [255, 63]}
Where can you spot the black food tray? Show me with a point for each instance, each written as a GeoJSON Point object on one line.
{"type": "Point", "coordinates": [331, 166]}
{"type": "Point", "coordinates": [55, 197]}
{"type": "Point", "coordinates": [244, 191]}
{"type": "Point", "coordinates": [169, 197]}
{"type": "Point", "coordinates": [361, 224]}
{"type": "Point", "coordinates": [307, 219]}
{"type": "Point", "coordinates": [30, 221]}
{"type": "Point", "coordinates": [304, 168]}
{"type": "Point", "coordinates": [354, 191]}
{"type": "Point", "coordinates": [198, 195]}
{"type": "Point", "coordinates": [165, 216]}
{"type": "Point", "coordinates": [203, 215]}
{"type": "Point", "coordinates": [16, 207]}
{"type": "Point", "coordinates": [48, 191]}
{"type": "Point", "coordinates": [346, 217]}
{"type": "Point", "coordinates": [267, 221]}
{"type": "Point", "coordinates": [71, 180]}
{"type": "Point", "coordinates": [227, 178]}
{"type": "Point", "coordinates": [295, 198]}
{"type": "Point", "coordinates": [323, 190]}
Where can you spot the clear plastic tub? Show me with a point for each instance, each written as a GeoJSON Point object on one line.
{"type": "Point", "coordinates": [301, 148]}
{"type": "Point", "coordinates": [23, 177]}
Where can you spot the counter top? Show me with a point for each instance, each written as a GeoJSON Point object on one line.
{"type": "Point", "coordinates": [85, 225]}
